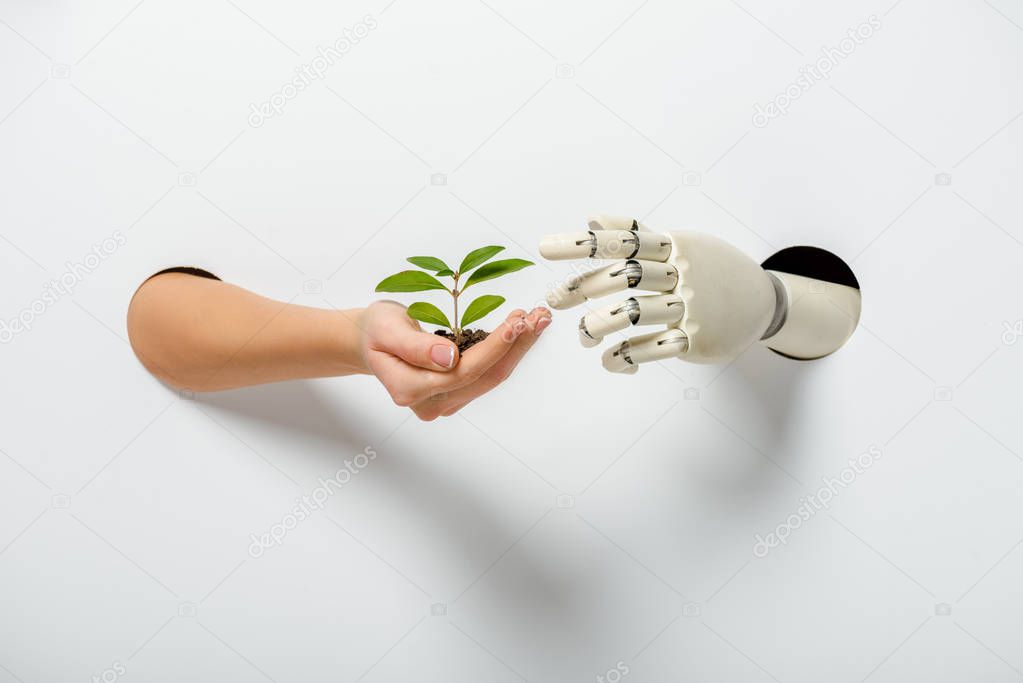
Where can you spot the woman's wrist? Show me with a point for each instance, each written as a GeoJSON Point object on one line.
{"type": "Point", "coordinates": [348, 340]}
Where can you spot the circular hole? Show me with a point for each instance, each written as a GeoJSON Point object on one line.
{"type": "Point", "coordinates": [812, 262]}
{"type": "Point", "coordinates": [816, 263]}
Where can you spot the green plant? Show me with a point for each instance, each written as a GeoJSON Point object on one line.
{"type": "Point", "coordinates": [474, 265]}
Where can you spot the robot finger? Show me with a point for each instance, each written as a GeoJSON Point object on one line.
{"type": "Point", "coordinates": [627, 356]}
{"type": "Point", "coordinates": [604, 243]}
{"type": "Point", "coordinates": [616, 277]}
{"type": "Point", "coordinates": [638, 310]}
{"type": "Point", "coordinates": [614, 223]}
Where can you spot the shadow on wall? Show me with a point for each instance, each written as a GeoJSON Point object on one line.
{"type": "Point", "coordinates": [416, 484]}
{"type": "Point", "coordinates": [764, 392]}
{"type": "Point", "coordinates": [550, 581]}
{"type": "Point", "coordinates": [767, 389]}
{"type": "Point", "coordinates": [301, 410]}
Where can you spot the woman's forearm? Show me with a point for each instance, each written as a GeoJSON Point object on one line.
{"type": "Point", "coordinates": [206, 335]}
{"type": "Point", "coordinates": [202, 334]}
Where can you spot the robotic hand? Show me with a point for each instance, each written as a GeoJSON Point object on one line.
{"type": "Point", "coordinates": [712, 299]}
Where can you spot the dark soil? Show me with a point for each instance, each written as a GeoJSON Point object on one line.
{"type": "Point", "coordinates": [469, 338]}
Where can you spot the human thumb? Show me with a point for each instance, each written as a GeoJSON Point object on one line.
{"type": "Point", "coordinates": [424, 350]}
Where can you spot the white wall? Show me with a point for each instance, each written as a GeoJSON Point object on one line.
{"type": "Point", "coordinates": [574, 521]}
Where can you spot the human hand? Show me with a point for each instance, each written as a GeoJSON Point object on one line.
{"type": "Point", "coordinates": [425, 371]}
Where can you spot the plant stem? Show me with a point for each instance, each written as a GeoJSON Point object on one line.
{"type": "Point", "coordinates": [458, 328]}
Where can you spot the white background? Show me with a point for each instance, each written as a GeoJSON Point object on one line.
{"type": "Point", "coordinates": [573, 521]}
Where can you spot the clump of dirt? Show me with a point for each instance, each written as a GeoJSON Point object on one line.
{"type": "Point", "coordinates": [469, 338]}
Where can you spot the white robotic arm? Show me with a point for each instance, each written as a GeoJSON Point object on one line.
{"type": "Point", "coordinates": [713, 300]}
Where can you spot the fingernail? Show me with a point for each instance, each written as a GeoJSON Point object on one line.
{"type": "Point", "coordinates": [541, 325]}
{"type": "Point", "coordinates": [514, 330]}
{"type": "Point", "coordinates": [443, 355]}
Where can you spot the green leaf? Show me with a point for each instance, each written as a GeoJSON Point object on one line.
{"type": "Point", "coordinates": [428, 313]}
{"type": "Point", "coordinates": [445, 273]}
{"type": "Point", "coordinates": [476, 257]}
{"type": "Point", "coordinates": [497, 269]}
{"type": "Point", "coordinates": [409, 281]}
{"type": "Point", "coordinates": [480, 307]}
{"type": "Point", "coordinates": [428, 262]}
